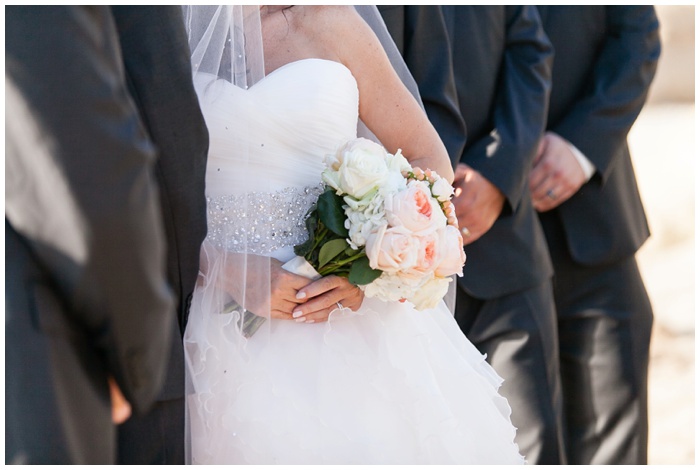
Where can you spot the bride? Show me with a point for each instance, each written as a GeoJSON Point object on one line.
{"type": "Point", "coordinates": [282, 369]}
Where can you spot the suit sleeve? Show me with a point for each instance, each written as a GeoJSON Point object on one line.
{"type": "Point", "coordinates": [599, 122]}
{"type": "Point", "coordinates": [80, 189]}
{"type": "Point", "coordinates": [421, 35]}
{"type": "Point", "coordinates": [504, 156]}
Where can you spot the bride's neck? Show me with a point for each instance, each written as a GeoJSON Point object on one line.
{"type": "Point", "coordinates": [270, 9]}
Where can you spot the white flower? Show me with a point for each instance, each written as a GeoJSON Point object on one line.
{"type": "Point", "coordinates": [430, 294]}
{"type": "Point", "coordinates": [442, 190]}
{"type": "Point", "coordinates": [393, 287]}
{"type": "Point", "coordinates": [362, 218]}
{"type": "Point", "coordinates": [357, 168]}
{"type": "Point", "coordinates": [397, 162]}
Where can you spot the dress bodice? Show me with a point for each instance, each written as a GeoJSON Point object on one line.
{"type": "Point", "coordinates": [266, 149]}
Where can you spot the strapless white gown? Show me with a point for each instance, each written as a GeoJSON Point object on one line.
{"type": "Point", "coordinates": [389, 385]}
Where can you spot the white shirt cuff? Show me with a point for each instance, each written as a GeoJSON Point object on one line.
{"type": "Point", "coordinates": [586, 165]}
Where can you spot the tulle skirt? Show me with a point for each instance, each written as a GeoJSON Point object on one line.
{"type": "Point", "coordinates": [387, 385]}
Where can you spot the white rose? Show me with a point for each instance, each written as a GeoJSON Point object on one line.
{"type": "Point", "coordinates": [397, 162]}
{"type": "Point", "coordinates": [442, 190]}
{"type": "Point", "coordinates": [415, 209]}
{"type": "Point", "coordinates": [359, 168]}
{"type": "Point", "coordinates": [395, 180]}
{"type": "Point", "coordinates": [452, 257]}
{"type": "Point", "coordinates": [430, 294]}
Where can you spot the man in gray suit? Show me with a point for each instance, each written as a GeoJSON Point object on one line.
{"type": "Point", "coordinates": [101, 115]}
{"type": "Point", "coordinates": [583, 184]}
{"type": "Point", "coordinates": [489, 66]}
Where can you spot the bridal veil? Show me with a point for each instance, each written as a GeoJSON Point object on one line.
{"type": "Point", "coordinates": [226, 46]}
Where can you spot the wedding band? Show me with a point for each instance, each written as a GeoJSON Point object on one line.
{"type": "Point", "coordinates": [465, 232]}
{"type": "Point", "coordinates": [551, 195]}
{"type": "Point", "coordinates": [340, 306]}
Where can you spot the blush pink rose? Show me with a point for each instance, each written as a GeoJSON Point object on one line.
{"type": "Point", "coordinates": [391, 250]}
{"type": "Point", "coordinates": [415, 209]}
{"type": "Point", "coordinates": [429, 254]}
{"type": "Point", "coordinates": [452, 257]}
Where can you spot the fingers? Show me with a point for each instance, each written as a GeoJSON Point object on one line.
{"type": "Point", "coordinates": [121, 409]}
{"type": "Point", "coordinates": [320, 286]}
{"type": "Point", "coordinates": [556, 176]}
{"type": "Point", "coordinates": [460, 172]}
{"type": "Point", "coordinates": [477, 206]}
{"type": "Point", "coordinates": [323, 297]}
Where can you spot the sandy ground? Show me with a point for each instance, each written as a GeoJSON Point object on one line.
{"type": "Point", "coordinates": [662, 143]}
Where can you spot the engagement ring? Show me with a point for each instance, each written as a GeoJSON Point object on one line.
{"type": "Point", "coordinates": [340, 306]}
{"type": "Point", "coordinates": [551, 195]}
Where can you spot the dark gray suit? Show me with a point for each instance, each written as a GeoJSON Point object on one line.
{"type": "Point", "coordinates": [599, 85]}
{"type": "Point", "coordinates": [159, 76]}
{"type": "Point", "coordinates": [86, 295]}
{"type": "Point", "coordinates": [497, 60]}
{"type": "Point", "coordinates": [106, 150]}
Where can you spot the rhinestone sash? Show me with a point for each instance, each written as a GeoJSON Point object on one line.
{"type": "Point", "coordinates": [258, 222]}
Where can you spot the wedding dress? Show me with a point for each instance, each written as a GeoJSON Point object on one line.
{"type": "Point", "coordinates": [384, 385]}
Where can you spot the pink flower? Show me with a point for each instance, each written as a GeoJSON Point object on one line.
{"type": "Point", "coordinates": [452, 257]}
{"type": "Point", "coordinates": [429, 255]}
{"type": "Point", "coordinates": [392, 250]}
{"type": "Point", "coordinates": [415, 209]}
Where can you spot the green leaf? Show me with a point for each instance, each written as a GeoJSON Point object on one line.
{"type": "Point", "coordinates": [330, 250]}
{"type": "Point", "coordinates": [331, 213]}
{"type": "Point", "coordinates": [361, 273]}
{"type": "Point", "coordinates": [303, 249]}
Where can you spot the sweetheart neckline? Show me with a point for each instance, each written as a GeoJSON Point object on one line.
{"type": "Point", "coordinates": [213, 78]}
{"type": "Point", "coordinates": [297, 62]}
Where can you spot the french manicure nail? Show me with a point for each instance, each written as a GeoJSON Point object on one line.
{"type": "Point", "coordinates": [298, 320]}
{"type": "Point", "coordinates": [296, 313]}
{"type": "Point", "coordinates": [301, 295]}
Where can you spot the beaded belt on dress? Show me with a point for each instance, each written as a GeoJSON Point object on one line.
{"type": "Point", "coordinates": [259, 222]}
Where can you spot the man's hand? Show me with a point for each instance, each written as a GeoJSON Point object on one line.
{"type": "Point", "coordinates": [121, 409]}
{"type": "Point", "coordinates": [556, 174]}
{"type": "Point", "coordinates": [478, 203]}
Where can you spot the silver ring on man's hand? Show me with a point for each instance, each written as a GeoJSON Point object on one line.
{"type": "Point", "coordinates": [551, 195]}
{"type": "Point", "coordinates": [340, 306]}
{"type": "Point", "coordinates": [465, 232]}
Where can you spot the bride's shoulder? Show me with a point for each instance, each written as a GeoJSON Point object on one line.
{"type": "Point", "coordinates": [340, 27]}
{"type": "Point", "coordinates": [335, 22]}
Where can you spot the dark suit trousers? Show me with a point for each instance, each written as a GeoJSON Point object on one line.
{"type": "Point", "coordinates": [605, 320]}
{"type": "Point", "coordinates": [517, 332]}
{"type": "Point", "coordinates": [156, 438]}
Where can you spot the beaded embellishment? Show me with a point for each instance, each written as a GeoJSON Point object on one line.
{"type": "Point", "coordinates": [258, 222]}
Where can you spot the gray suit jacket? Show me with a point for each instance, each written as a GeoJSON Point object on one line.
{"type": "Point", "coordinates": [599, 85]}
{"type": "Point", "coordinates": [488, 66]}
{"type": "Point", "coordinates": [84, 222]}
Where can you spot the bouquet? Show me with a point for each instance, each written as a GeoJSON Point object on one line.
{"type": "Point", "coordinates": [389, 228]}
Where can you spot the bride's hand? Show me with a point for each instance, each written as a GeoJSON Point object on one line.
{"type": "Point", "coordinates": [321, 297]}
{"type": "Point", "coordinates": [252, 283]}
{"type": "Point", "coordinates": [284, 288]}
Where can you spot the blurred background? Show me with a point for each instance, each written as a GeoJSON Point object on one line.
{"type": "Point", "coordinates": [662, 144]}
